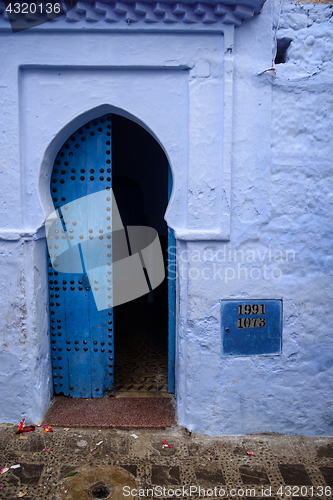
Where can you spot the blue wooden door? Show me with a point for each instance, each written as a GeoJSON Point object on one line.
{"type": "Point", "coordinates": [82, 344]}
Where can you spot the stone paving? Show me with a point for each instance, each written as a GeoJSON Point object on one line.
{"type": "Point", "coordinates": [88, 463]}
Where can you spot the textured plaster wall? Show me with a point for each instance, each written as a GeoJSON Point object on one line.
{"type": "Point", "coordinates": [281, 219]}
{"type": "Point", "coordinates": [24, 348]}
{"type": "Point", "coordinates": [280, 123]}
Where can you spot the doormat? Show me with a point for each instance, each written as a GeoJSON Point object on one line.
{"type": "Point", "coordinates": [121, 413]}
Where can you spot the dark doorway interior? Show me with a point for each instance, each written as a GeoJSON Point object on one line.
{"type": "Point", "coordinates": [140, 185]}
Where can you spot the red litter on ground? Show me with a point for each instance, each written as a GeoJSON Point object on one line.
{"type": "Point", "coordinates": [27, 428]}
{"type": "Point", "coordinates": [166, 445]}
{"type": "Point", "coordinates": [47, 428]}
{"type": "Point", "coordinates": [21, 428]}
{"type": "Point", "coordinates": [250, 453]}
{"type": "Point", "coordinates": [20, 425]}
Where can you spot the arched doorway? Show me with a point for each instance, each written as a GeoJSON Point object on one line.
{"type": "Point", "coordinates": [140, 177]}
{"type": "Point", "coordinates": [101, 352]}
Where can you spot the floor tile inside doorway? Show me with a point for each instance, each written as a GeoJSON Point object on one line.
{"type": "Point", "coordinates": [141, 349]}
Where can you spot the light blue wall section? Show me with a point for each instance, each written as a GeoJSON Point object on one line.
{"type": "Point", "coordinates": [25, 382]}
{"type": "Point", "coordinates": [250, 149]}
{"type": "Point", "coordinates": [281, 230]}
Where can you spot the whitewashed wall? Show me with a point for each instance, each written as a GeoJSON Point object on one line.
{"type": "Point", "coordinates": [281, 225]}
{"type": "Point", "coordinates": [279, 203]}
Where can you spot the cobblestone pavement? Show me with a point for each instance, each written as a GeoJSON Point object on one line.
{"type": "Point", "coordinates": [114, 464]}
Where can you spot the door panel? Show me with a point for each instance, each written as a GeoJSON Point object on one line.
{"type": "Point", "coordinates": [171, 256]}
{"type": "Point", "coordinates": [82, 344]}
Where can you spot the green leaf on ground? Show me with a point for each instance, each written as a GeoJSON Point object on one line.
{"type": "Point", "coordinates": [71, 474]}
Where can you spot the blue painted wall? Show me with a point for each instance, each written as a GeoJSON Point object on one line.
{"type": "Point", "coordinates": [250, 151]}
{"type": "Point", "coordinates": [281, 241]}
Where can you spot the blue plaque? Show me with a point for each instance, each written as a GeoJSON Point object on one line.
{"type": "Point", "coordinates": [251, 327]}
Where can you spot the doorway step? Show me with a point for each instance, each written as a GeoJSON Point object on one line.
{"type": "Point", "coordinates": [121, 413]}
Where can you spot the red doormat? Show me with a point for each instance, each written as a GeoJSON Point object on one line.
{"type": "Point", "coordinates": [122, 413]}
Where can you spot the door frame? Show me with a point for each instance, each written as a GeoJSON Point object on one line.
{"type": "Point", "coordinates": [171, 260]}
